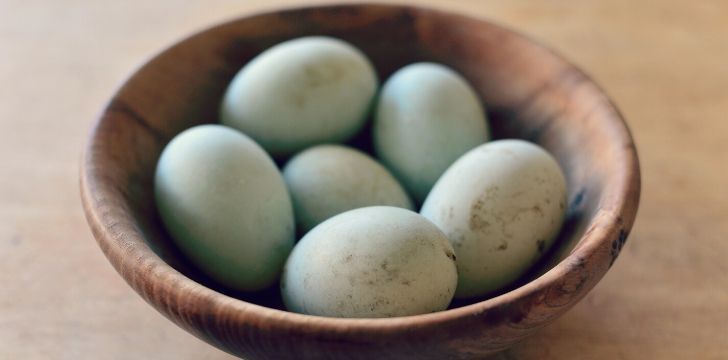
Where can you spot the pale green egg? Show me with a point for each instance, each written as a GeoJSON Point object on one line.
{"type": "Point", "coordinates": [301, 92]}
{"type": "Point", "coordinates": [427, 116]}
{"type": "Point", "coordinates": [369, 263]}
{"type": "Point", "coordinates": [501, 205]}
{"type": "Point", "coordinates": [225, 204]}
{"type": "Point", "coordinates": [326, 180]}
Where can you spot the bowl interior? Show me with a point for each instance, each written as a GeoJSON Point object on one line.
{"type": "Point", "coordinates": [528, 93]}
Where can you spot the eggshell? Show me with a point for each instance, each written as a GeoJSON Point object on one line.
{"type": "Point", "coordinates": [368, 263]}
{"type": "Point", "coordinates": [501, 205]}
{"type": "Point", "coordinates": [301, 92]}
{"type": "Point", "coordinates": [329, 179]}
{"type": "Point", "coordinates": [226, 206]}
{"type": "Point", "coordinates": [427, 116]}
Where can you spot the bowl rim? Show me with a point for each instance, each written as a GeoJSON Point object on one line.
{"type": "Point", "coordinates": [129, 257]}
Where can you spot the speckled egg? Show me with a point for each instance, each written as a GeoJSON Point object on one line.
{"type": "Point", "coordinates": [368, 263]}
{"type": "Point", "coordinates": [329, 179]}
{"type": "Point", "coordinates": [501, 205]}
{"type": "Point", "coordinates": [426, 117]}
{"type": "Point", "coordinates": [301, 92]}
{"type": "Point", "coordinates": [226, 206]}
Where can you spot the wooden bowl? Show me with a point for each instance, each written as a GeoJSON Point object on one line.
{"type": "Point", "coordinates": [529, 92]}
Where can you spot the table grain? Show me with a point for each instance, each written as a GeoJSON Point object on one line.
{"type": "Point", "coordinates": [665, 64]}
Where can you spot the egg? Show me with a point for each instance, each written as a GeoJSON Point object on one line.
{"type": "Point", "coordinates": [501, 205]}
{"type": "Point", "coordinates": [370, 262]}
{"type": "Point", "coordinates": [224, 202]}
{"type": "Point", "coordinates": [301, 92]}
{"type": "Point", "coordinates": [326, 180]}
{"type": "Point", "coordinates": [426, 117]}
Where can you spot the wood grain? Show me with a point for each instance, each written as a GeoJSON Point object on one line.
{"type": "Point", "coordinates": [529, 92]}
{"type": "Point", "coordinates": [663, 63]}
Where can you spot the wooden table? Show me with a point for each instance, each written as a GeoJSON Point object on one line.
{"type": "Point", "coordinates": [665, 63]}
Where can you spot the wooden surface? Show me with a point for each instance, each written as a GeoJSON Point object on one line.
{"type": "Point", "coordinates": [662, 62]}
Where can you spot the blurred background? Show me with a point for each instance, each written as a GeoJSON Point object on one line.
{"type": "Point", "coordinates": [665, 64]}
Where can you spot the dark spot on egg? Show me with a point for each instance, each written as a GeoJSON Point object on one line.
{"type": "Point", "coordinates": [478, 210]}
{"type": "Point", "coordinates": [537, 209]}
{"type": "Point", "coordinates": [450, 255]}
